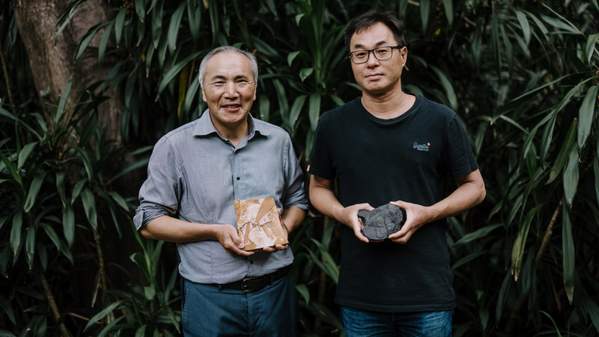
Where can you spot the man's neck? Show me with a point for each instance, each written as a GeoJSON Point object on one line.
{"type": "Point", "coordinates": [234, 133]}
{"type": "Point", "coordinates": [391, 104]}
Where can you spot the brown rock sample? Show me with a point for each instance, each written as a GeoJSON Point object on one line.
{"type": "Point", "coordinates": [258, 223]}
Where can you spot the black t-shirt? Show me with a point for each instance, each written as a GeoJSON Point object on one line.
{"type": "Point", "coordinates": [413, 158]}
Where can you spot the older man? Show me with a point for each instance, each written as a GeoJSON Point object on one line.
{"type": "Point", "coordinates": [391, 147]}
{"type": "Point", "coordinates": [195, 174]}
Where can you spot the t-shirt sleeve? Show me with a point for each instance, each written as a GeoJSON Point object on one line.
{"type": "Point", "coordinates": [459, 154]}
{"type": "Point", "coordinates": [321, 164]}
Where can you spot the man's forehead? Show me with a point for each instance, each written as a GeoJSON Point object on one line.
{"type": "Point", "coordinates": [374, 35]}
{"type": "Point", "coordinates": [230, 63]}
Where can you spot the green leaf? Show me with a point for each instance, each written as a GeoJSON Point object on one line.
{"type": "Point", "coordinates": [15, 233]}
{"type": "Point", "coordinates": [63, 101]}
{"type": "Point", "coordinates": [425, 8]}
{"type": "Point", "coordinates": [568, 254]}
{"type": "Point", "coordinates": [314, 111]}
{"type": "Point", "coordinates": [524, 25]}
{"type": "Point", "coordinates": [570, 178]}
{"type": "Point", "coordinates": [331, 267]}
{"type": "Point", "coordinates": [24, 154]}
{"type": "Point", "coordinates": [53, 236]}
{"type": "Point", "coordinates": [447, 87]}
{"type": "Point", "coordinates": [30, 246]}
{"type": "Point", "coordinates": [175, 70]}
{"type": "Point", "coordinates": [562, 157]}
{"type": "Point", "coordinates": [586, 114]}
{"type": "Point", "coordinates": [282, 100]}
{"type": "Point", "coordinates": [596, 173]}
{"type": "Point", "coordinates": [590, 46]}
{"type": "Point", "coordinates": [448, 6]}
{"type": "Point", "coordinates": [104, 41]}
{"type": "Point", "coordinates": [302, 289]}
{"type": "Point", "coordinates": [174, 26]}
{"type": "Point", "coordinates": [291, 56]}
{"type": "Point", "coordinates": [119, 24]}
{"type": "Point", "coordinates": [520, 243]}
{"type": "Point", "coordinates": [4, 333]}
{"type": "Point", "coordinates": [77, 190]}
{"type": "Point", "coordinates": [264, 107]}
{"type": "Point", "coordinates": [87, 39]}
{"type": "Point", "coordinates": [68, 224]}
{"type": "Point", "coordinates": [119, 200]}
{"type": "Point", "coordinates": [140, 9]}
{"type": "Point", "coordinates": [305, 72]}
{"type": "Point", "coordinates": [296, 108]}
{"type": "Point", "coordinates": [89, 206]}
{"type": "Point", "coordinates": [149, 293]}
{"type": "Point", "coordinates": [97, 317]}
{"type": "Point", "coordinates": [477, 234]}
{"type": "Point", "coordinates": [34, 189]}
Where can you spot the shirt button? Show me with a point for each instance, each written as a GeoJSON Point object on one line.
{"type": "Point", "coordinates": [238, 178]}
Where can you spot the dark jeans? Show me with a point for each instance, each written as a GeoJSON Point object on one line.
{"type": "Point", "coordinates": [209, 311]}
{"type": "Point", "coordinates": [361, 323]}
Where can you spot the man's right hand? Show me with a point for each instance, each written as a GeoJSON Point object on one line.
{"type": "Point", "coordinates": [349, 217]}
{"type": "Point", "coordinates": [230, 240]}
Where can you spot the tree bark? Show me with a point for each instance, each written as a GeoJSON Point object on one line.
{"type": "Point", "coordinates": [52, 55]}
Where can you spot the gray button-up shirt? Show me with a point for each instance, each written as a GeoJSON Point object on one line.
{"type": "Point", "coordinates": [196, 175]}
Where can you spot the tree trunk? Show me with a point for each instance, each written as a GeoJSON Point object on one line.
{"type": "Point", "coordinates": [52, 55]}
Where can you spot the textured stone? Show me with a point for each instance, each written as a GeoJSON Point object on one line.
{"type": "Point", "coordinates": [381, 221]}
{"type": "Point", "coordinates": [258, 223]}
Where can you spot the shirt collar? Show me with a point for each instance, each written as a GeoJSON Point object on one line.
{"type": "Point", "coordinates": [204, 126]}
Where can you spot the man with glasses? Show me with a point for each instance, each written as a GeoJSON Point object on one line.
{"type": "Point", "coordinates": [391, 147]}
{"type": "Point", "coordinates": [195, 174]}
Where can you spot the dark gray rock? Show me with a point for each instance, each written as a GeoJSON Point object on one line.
{"type": "Point", "coordinates": [382, 221]}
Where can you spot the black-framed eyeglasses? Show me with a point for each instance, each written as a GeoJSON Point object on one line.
{"type": "Point", "coordinates": [380, 53]}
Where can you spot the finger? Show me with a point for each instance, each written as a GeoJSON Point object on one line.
{"type": "Point", "coordinates": [282, 246]}
{"type": "Point", "coordinates": [240, 251]}
{"type": "Point", "coordinates": [398, 203]}
{"type": "Point", "coordinates": [360, 236]}
{"type": "Point", "coordinates": [399, 233]}
{"type": "Point", "coordinates": [269, 249]}
{"type": "Point", "coordinates": [370, 208]}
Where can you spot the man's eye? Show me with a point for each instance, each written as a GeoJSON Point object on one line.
{"type": "Point", "coordinates": [360, 54]}
{"type": "Point", "coordinates": [218, 84]}
{"type": "Point", "coordinates": [382, 52]}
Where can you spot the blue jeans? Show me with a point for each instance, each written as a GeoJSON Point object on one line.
{"type": "Point", "coordinates": [362, 323]}
{"type": "Point", "coordinates": [210, 312]}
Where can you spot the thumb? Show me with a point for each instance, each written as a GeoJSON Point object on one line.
{"type": "Point", "coordinates": [399, 203]}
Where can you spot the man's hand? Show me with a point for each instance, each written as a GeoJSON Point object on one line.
{"type": "Point", "coordinates": [349, 216]}
{"type": "Point", "coordinates": [416, 216]}
{"type": "Point", "coordinates": [229, 239]}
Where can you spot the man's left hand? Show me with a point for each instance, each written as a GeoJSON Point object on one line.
{"type": "Point", "coordinates": [416, 216]}
{"type": "Point", "coordinates": [274, 248]}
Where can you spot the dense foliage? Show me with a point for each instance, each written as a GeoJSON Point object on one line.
{"type": "Point", "coordinates": [523, 75]}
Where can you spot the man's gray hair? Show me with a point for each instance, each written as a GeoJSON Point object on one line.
{"type": "Point", "coordinates": [227, 49]}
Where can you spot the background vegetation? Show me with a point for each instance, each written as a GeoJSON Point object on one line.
{"type": "Point", "coordinates": [524, 75]}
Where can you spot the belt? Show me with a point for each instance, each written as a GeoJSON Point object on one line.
{"type": "Point", "coordinates": [251, 284]}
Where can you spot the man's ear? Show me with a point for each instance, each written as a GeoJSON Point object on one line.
{"type": "Point", "coordinates": [404, 55]}
{"type": "Point", "coordinates": [203, 93]}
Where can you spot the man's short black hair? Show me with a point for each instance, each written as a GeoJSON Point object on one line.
{"type": "Point", "coordinates": [371, 18]}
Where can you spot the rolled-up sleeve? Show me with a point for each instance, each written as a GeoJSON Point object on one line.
{"type": "Point", "coordinates": [160, 193]}
{"type": "Point", "coordinates": [294, 194]}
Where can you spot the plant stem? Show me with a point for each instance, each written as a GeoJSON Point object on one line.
{"type": "Point", "coordinates": [7, 80]}
{"type": "Point", "coordinates": [52, 302]}
{"type": "Point", "coordinates": [548, 232]}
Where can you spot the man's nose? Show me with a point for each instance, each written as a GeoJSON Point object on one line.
{"type": "Point", "coordinates": [231, 89]}
{"type": "Point", "coordinates": [372, 60]}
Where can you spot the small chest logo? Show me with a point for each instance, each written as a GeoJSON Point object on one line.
{"type": "Point", "coordinates": [424, 147]}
